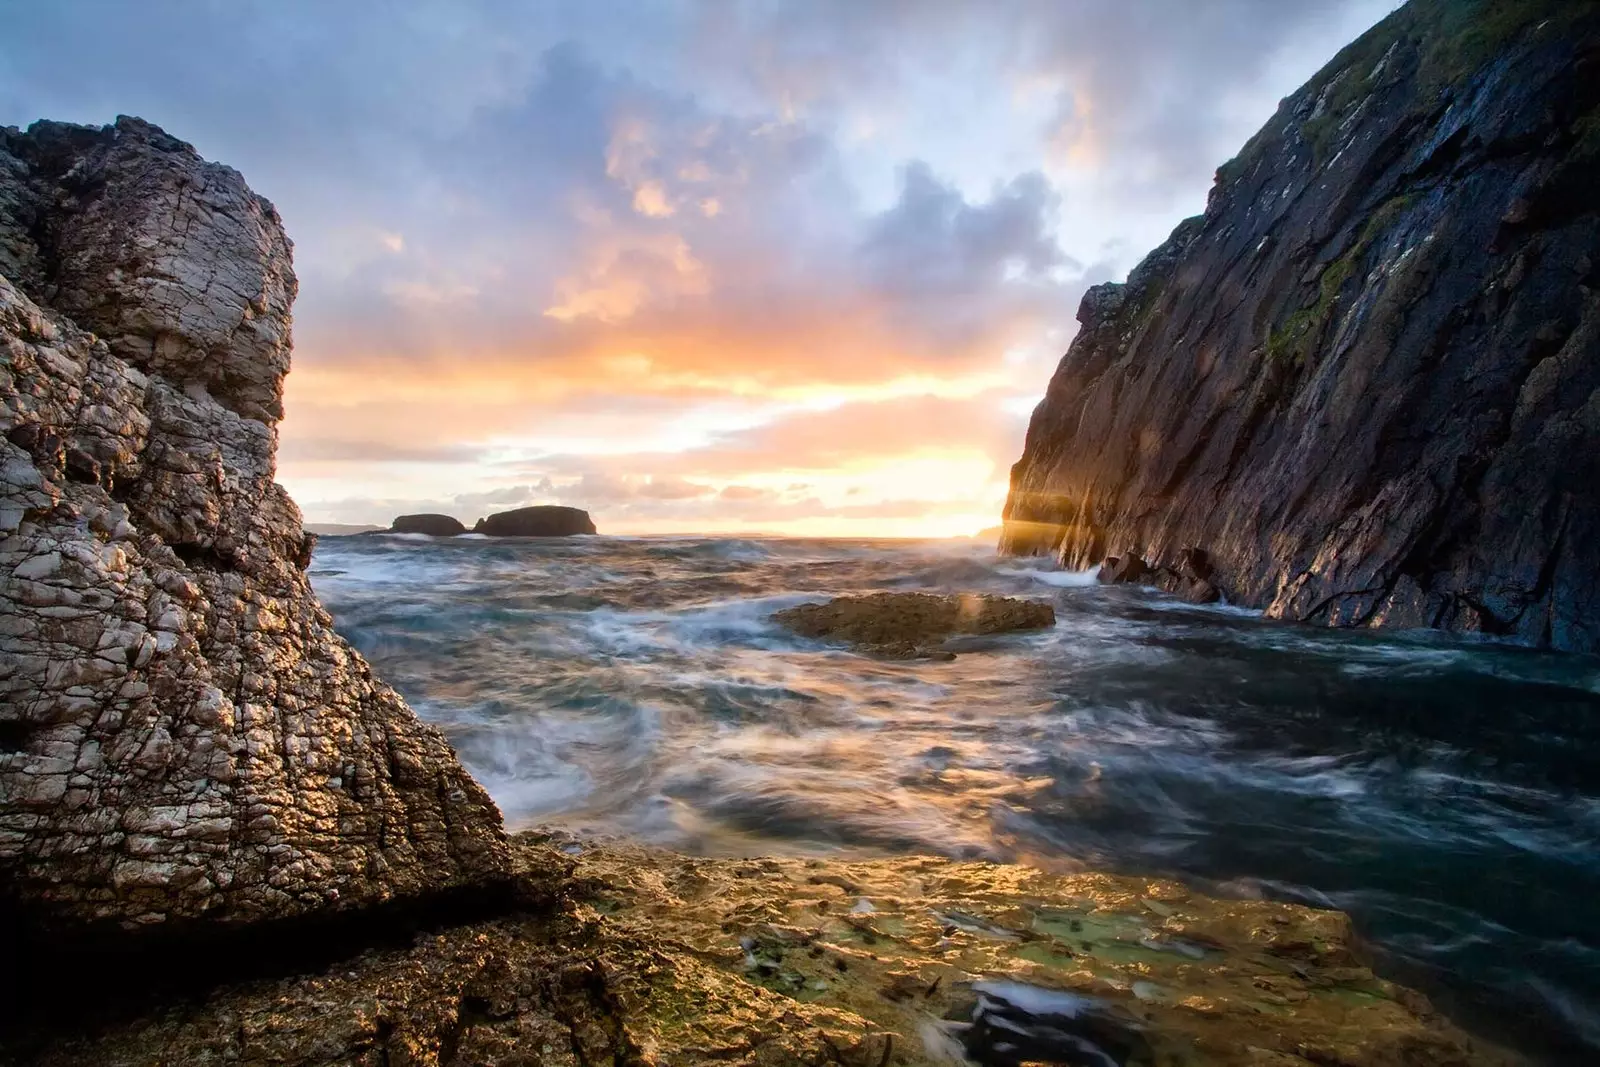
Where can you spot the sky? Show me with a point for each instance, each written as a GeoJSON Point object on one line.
{"type": "Point", "coordinates": [788, 266]}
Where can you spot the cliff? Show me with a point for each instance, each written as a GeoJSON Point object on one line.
{"type": "Point", "coordinates": [1365, 384]}
{"type": "Point", "coordinates": [183, 736]}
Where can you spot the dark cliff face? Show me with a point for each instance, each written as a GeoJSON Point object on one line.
{"type": "Point", "coordinates": [1366, 382]}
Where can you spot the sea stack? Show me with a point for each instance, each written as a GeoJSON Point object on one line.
{"type": "Point", "coordinates": [184, 739]}
{"type": "Point", "coordinates": [432, 525]}
{"type": "Point", "coordinates": [546, 520]}
{"type": "Point", "coordinates": [1364, 386]}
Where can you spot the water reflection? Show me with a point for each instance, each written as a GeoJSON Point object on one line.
{"type": "Point", "coordinates": [1443, 793]}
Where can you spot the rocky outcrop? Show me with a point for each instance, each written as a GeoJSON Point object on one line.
{"type": "Point", "coordinates": [544, 520]}
{"type": "Point", "coordinates": [649, 957]}
{"type": "Point", "coordinates": [910, 625]}
{"type": "Point", "coordinates": [432, 525]}
{"type": "Point", "coordinates": [1366, 382]}
{"type": "Point", "coordinates": [183, 737]}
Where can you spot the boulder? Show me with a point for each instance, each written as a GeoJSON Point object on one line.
{"type": "Point", "coordinates": [1121, 570]}
{"type": "Point", "coordinates": [185, 742]}
{"type": "Point", "coordinates": [544, 520]}
{"type": "Point", "coordinates": [432, 525]}
{"type": "Point", "coordinates": [1364, 380]}
{"type": "Point", "coordinates": [912, 625]}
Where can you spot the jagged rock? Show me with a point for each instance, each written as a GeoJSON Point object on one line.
{"type": "Point", "coordinates": [912, 625]}
{"type": "Point", "coordinates": [650, 957]}
{"type": "Point", "coordinates": [544, 520]}
{"type": "Point", "coordinates": [1366, 382]}
{"type": "Point", "coordinates": [1121, 570]}
{"type": "Point", "coordinates": [171, 260]}
{"type": "Point", "coordinates": [432, 525]}
{"type": "Point", "coordinates": [183, 737]}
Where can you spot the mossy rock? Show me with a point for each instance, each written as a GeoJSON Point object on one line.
{"type": "Point", "coordinates": [910, 625]}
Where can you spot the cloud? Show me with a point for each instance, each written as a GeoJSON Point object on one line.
{"type": "Point", "coordinates": [781, 263]}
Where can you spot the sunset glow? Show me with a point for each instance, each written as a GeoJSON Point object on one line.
{"type": "Point", "coordinates": [695, 267]}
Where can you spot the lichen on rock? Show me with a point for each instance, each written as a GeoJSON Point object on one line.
{"type": "Point", "coordinates": [183, 736]}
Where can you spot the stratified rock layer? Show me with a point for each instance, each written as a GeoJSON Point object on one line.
{"type": "Point", "coordinates": [1365, 384]}
{"type": "Point", "coordinates": [653, 958]}
{"type": "Point", "coordinates": [182, 734]}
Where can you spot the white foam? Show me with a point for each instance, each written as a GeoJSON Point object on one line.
{"type": "Point", "coordinates": [1036, 1000]}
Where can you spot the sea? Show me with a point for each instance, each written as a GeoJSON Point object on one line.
{"type": "Point", "coordinates": [1445, 793]}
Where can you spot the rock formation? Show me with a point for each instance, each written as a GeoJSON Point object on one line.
{"type": "Point", "coordinates": [183, 736]}
{"type": "Point", "coordinates": [544, 520]}
{"type": "Point", "coordinates": [908, 625]}
{"type": "Point", "coordinates": [649, 957]}
{"type": "Point", "coordinates": [1366, 382]}
{"type": "Point", "coordinates": [432, 525]}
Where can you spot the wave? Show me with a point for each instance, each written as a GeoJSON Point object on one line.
{"type": "Point", "coordinates": [1443, 792]}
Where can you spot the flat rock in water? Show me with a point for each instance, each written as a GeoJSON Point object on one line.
{"type": "Point", "coordinates": [907, 625]}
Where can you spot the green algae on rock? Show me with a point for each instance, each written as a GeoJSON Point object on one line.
{"type": "Point", "coordinates": [650, 957]}
{"type": "Point", "coordinates": [909, 625]}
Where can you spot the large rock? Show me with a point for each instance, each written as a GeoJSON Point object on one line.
{"type": "Point", "coordinates": [544, 520]}
{"type": "Point", "coordinates": [1366, 382]}
{"type": "Point", "coordinates": [183, 737]}
{"type": "Point", "coordinates": [432, 525]}
{"type": "Point", "coordinates": [906, 625]}
{"type": "Point", "coordinates": [173, 261]}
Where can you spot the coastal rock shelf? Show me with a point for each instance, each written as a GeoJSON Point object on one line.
{"type": "Point", "coordinates": [183, 736]}
{"type": "Point", "coordinates": [644, 956]}
{"type": "Point", "coordinates": [1366, 382]}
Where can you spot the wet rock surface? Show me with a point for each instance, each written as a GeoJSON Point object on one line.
{"type": "Point", "coordinates": [910, 625]}
{"type": "Point", "coordinates": [1366, 382]}
{"type": "Point", "coordinates": [642, 956]}
{"type": "Point", "coordinates": [542, 520]}
{"type": "Point", "coordinates": [183, 737]}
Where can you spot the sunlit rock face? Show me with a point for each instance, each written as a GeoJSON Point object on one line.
{"type": "Point", "coordinates": [182, 734]}
{"type": "Point", "coordinates": [1364, 382]}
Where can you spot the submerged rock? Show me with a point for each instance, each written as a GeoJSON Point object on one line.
{"type": "Point", "coordinates": [906, 625]}
{"type": "Point", "coordinates": [1364, 381]}
{"type": "Point", "coordinates": [644, 956]}
{"type": "Point", "coordinates": [432, 525]}
{"type": "Point", "coordinates": [184, 739]}
{"type": "Point", "coordinates": [544, 520]}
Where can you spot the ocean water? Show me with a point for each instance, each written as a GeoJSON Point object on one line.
{"type": "Point", "coordinates": [1444, 793]}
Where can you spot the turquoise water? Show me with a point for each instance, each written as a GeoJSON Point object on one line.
{"type": "Point", "coordinates": [1445, 794]}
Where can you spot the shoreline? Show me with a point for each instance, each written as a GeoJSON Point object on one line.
{"type": "Point", "coordinates": [607, 949]}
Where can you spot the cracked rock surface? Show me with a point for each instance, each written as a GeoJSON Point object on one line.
{"type": "Point", "coordinates": [1365, 384]}
{"type": "Point", "coordinates": [182, 734]}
